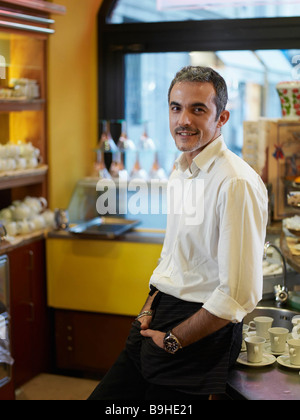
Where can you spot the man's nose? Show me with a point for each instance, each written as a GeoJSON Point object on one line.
{"type": "Point", "coordinates": [184, 118]}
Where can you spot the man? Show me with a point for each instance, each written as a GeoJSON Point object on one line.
{"type": "Point", "coordinates": [189, 331]}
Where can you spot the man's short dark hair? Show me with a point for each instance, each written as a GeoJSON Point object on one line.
{"type": "Point", "coordinates": [204, 75]}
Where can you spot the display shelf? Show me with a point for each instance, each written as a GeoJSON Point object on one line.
{"type": "Point", "coordinates": [21, 105]}
{"type": "Point", "coordinates": [23, 178]}
{"type": "Point", "coordinates": [22, 240]}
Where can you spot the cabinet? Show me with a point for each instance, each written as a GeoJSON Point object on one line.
{"type": "Point", "coordinates": [88, 341]}
{"type": "Point", "coordinates": [30, 325]}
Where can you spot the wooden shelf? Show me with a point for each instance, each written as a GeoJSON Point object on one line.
{"type": "Point", "coordinates": [43, 6]}
{"type": "Point", "coordinates": [21, 105]}
{"type": "Point", "coordinates": [22, 178]}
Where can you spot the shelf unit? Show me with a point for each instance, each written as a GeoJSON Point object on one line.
{"type": "Point", "coordinates": [25, 26]}
{"type": "Point", "coordinates": [23, 119]}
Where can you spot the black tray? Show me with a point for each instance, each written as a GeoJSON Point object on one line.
{"type": "Point", "coordinates": [108, 227]}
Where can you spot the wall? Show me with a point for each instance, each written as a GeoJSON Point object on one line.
{"type": "Point", "coordinates": [72, 111]}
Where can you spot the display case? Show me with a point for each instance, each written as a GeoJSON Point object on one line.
{"type": "Point", "coordinates": [133, 200]}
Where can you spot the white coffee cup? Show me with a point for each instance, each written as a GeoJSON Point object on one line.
{"type": "Point", "coordinates": [255, 346]}
{"type": "Point", "coordinates": [262, 325]}
{"type": "Point", "coordinates": [278, 337]}
{"type": "Point", "coordinates": [294, 351]}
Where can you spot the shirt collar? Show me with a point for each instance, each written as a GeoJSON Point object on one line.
{"type": "Point", "coordinates": [204, 159]}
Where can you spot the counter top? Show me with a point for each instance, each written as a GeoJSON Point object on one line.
{"type": "Point", "coordinates": [153, 236]}
{"type": "Point", "coordinates": [273, 382]}
{"type": "Point", "coordinates": [21, 240]}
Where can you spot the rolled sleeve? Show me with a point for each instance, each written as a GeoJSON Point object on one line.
{"type": "Point", "coordinates": [242, 213]}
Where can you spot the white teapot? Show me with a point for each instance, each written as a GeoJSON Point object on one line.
{"type": "Point", "coordinates": [36, 205]}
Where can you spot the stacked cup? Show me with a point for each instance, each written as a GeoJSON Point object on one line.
{"type": "Point", "coordinates": [255, 344]}
{"type": "Point", "coordinates": [278, 338]}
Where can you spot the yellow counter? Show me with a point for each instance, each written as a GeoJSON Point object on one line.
{"type": "Point", "coordinates": [99, 275]}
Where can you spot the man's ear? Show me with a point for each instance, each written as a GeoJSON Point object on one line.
{"type": "Point", "coordinates": [223, 118]}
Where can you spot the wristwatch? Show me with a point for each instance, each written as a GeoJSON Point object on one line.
{"type": "Point", "coordinates": [171, 343]}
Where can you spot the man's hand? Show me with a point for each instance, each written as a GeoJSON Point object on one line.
{"type": "Point", "coordinates": [145, 321]}
{"type": "Point", "coordinates": [157, 336]}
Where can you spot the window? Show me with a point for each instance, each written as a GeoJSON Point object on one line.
{"type": "Point", "coordinates": [138, 60]}
{"type": "Point", "coordinates": [251, 77]}
{"type": "Point", "coordinates": [179, 10]}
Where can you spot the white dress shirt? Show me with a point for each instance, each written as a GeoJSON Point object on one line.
{"type": "Point", "coordinates": [215, 235]}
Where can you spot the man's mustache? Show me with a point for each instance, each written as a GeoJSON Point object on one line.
{"type": "Point", "coordinates": [186, 130]}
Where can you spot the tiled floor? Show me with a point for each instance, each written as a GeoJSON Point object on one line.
{"type": "Point", "coordinates": [55, 387]}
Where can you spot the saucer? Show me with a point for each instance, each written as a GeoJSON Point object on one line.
{"type": "Point", "coordinates": [268, 359]}
{"type": "Point", "coordinates": [268, 350]}
{"type": "Point", "coordinates": [285, 361]}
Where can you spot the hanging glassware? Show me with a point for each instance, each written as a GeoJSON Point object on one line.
{"type": "Point", "coordinates": [157, 172]}
{"type": "Point", "coordinates": [117, 169]}
{"type": "Point", "coordinates": [100, 169]}
{"type": "Point", "coordinates": [146, 150]}
{"type": "Point", "coordinates": [124, 143]}
{"type": "Point", "coordinates": [138, 172]}
{"type": "Point", "coordinates": [146, 143]}
{"type": "Point", "coordinates": [106, 143]}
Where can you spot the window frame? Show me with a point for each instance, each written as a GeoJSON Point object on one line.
{"type": "Point", "coordinates": [116, 40]}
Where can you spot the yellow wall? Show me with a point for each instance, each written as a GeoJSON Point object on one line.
{"type": "Point", "coordinates": [72, 110]}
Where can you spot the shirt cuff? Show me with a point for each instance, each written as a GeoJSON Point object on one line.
{"type": "Point", "coordinates": [225, 307]}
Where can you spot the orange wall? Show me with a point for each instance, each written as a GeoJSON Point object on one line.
{"type": "Point", "coordinates": [72, 110]}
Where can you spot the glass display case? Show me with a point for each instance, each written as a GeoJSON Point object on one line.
{"type": "Point", "coordinates": [137, 199]}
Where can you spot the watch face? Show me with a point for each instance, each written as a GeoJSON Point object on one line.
{"type": "Point", "coordinates": [171, 345]}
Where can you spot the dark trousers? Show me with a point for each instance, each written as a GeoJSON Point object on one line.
{"type": "Point", "coordinates": [144, 371]}
{"type": "Point", "coordinates": [125, 382]}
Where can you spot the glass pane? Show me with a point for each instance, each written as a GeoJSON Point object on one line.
{"type": "Point", "coordinates": [251, 77]}
{"type": "Point", "coordinates": [180, 10]}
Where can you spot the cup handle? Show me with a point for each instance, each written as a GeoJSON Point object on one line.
{"type": "Point", "coordinates": [276, 339]}
{"type": "Point", "coordinates": [255, 349]}
{"type": "Point", "coordinates": [252, 325]}
{"type": "Point", "coordinates": [292, 351]}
